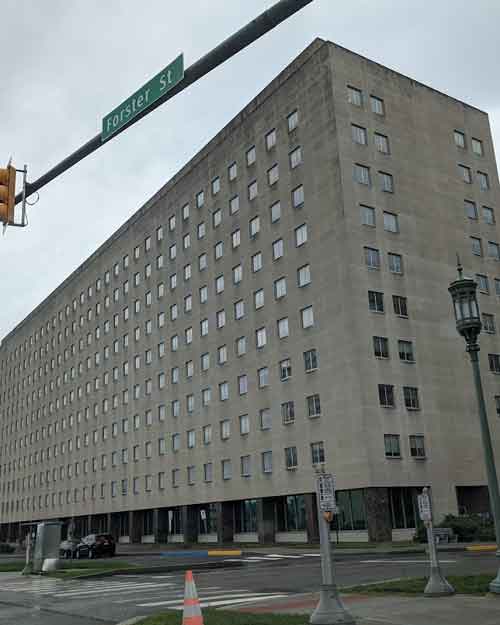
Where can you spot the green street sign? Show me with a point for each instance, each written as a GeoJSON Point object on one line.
{"type": "Point", "coordinates": [142, 99]}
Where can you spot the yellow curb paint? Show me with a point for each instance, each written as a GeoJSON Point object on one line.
{"type": "Point", "coordinates": [223, 553]}
{"type": "Point", "coordinates": [481, 548]}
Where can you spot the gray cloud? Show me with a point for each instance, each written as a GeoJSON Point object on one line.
{"type": "Point", "coordinates": [69, 63]}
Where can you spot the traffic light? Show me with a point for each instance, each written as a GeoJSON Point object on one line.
{"type": "Point", "coordinates": [7, 194]}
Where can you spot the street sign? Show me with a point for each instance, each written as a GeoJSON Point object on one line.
{"type": "Point", "coordinates": [325, 485]}
{"type": "Point", "coordinates": [142, 99]}
{"type": "Point", "coordinates": [203, 515]}
{"type": "Point", "coordinates": [424, 507]}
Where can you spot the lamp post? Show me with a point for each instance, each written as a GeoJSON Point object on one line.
{"type": "Point", "coordinates": [463, 294]}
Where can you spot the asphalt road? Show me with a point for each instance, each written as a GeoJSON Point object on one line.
{"type": "Point", "coordinates": [46, 601]}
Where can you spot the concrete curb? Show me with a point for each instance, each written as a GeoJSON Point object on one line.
{"type": "Point", "coordinates": [132, 621]}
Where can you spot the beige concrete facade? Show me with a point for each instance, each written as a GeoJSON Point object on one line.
{"type": "Point", "coordinates": [69, 374]}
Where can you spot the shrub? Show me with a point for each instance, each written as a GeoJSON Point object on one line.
{"type": "Point", "coordinates": [6, 548]}
{"type": "Point", "coordinates": [467, 528]}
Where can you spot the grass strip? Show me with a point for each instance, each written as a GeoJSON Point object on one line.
{"type": "Point", "coordinates": [9, 567]}
{"type": "Point", "coordinates": [463, 584]}
{"type": "Point", "coordinates": [223, 617]}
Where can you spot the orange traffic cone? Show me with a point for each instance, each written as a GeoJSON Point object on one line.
{"type": "Point", "coordinates": [192, 611]}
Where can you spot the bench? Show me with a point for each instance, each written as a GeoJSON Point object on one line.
{"type": "Point", "coordinates": [444, 535]}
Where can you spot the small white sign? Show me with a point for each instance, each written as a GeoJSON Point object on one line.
{"type": "Point", "coordinates": [203, 515]}
{"type": "Point", "coordinates": [424, 507]}
{"type": "Point", "coordinates": [326, 492]}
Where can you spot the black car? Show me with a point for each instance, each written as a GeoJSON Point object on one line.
{"type": "Point", "coordinates": [95, 546]}
{"type": "Point", "coordinates": [68, 547]}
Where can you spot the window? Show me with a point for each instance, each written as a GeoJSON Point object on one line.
{"type": "Point", "coordinates": [215, 185]}
{"type": "Point", "coordinates": [232, 171]}
{"type": "Point", "coordinates": [395, 263]}
{"type": "Point", "coordinates": [400, 306]}
{"type": "Point", "coordinates": [260, 337]}
{"type": "Point", "coordinates": [253, 190]}
{"type": "Point", "coordinates": [358, 134]}
{"type": "Point", "coordinates": [307, 317]}
{"type": "Point", "coordinates": [367, 216]}
{"type": "Point", "coordinates": [217, 218]}
{"type": "Point", "coordinates": [410, 394]}
{"type": "Point", "coordinates": [237, 274]}
{"type": "Point", "coordinates": [405, 349]}
{"type": "Point", "coordinates": [377, 105]}
{"type": "Point", "coordinates": [293, 121]}
{"type": "Point", "coordinates": [239, 309]}
{"type": "Point", "coordinates": [283, 328]}
{"type": "Point", "coordinates": [280, 288]}
{"type": "Point", "coordinates": [477, 147]}
{"type": "Point", "coordinates": [219, 284]}
{"type": "Point", "coordinates": [246, 466]}
{"type": "Point", "coordinates": [470, 209]}
{"type": "Point", "coordinates": [386, 182]}
{"type": "Point", "coordinates": [251, 156]}
{"type": "Point", "coordinates": [203, 294]}
{"type": "Point", "coordinates": [465, 173]}
{"type": "Point", "coordinates": [372, 258]}
{"type": "Point", "coordinates": [171, 223]}
{"type": "Point", "coordinates": [376, 301]}
{"type": "Point", "coordinates": [477, 246]}
{"type": "Point", "coordinates": [263, 377]}
{"type": "Point", "coordinates": [275, 212]}
{"type": "Point", "coordinates": [295, 157]}
{"type": "Point", "coordinates": [200, 199]}
{"type": "Point", "coordinates": [318, 453]}
{"type": "Point", "coordinates": [489, 323]}
{"type": "Point", "coordinates": [254, 227]}
{"type": "Point", "coordinates": [391, 223]}
{"type": "Point", "coordinates": [223, 391]}
{"type": "Point", "coordinates": [386, 395]}
{"type": "Point", "coordinates": [219, 250]}
{"type": "Point", "coordinates": [271, 139]}
{"type": "Point", "coordinates": [236, 239]}
{"type": "Point", "coordinates": [304, 275]}
{"type": "Point", "coordinates": [285, 369]}
{"type": "Point", "coordinates": [227, 470]}
{"type": "Point", "coordinates": [265, 419]}
{"type": "Point", "coordinates": [497, 404]}
{"type": "Point", "coordinates": [207, 434]}
{"type": "Point", "coordinates": [354, 96]}
{"type": "Point", "coordinates": [494, 362]}
{"type": "Point", "coordinates": [206, 395]}
{"type": "Point", "coordinates": [493, 250]}
{"type": "Point", "coordinates": [278, 249]}
{"type": "Point", "coordinates": [257, 262]}
{"type": "Point", "coordinates": [241, 346]}
{"type": "Point", "coordinates": [313, 406]}
{"type": "Point", "coordinates": [361, 174]}
{"type": "Point", "coordinates": [191, 439]}
{"type": "Point", "coordinates": [234, 205]}
{"type": "Point", "coordinates": [483, 283]}
{"type": "Point", "coordinates": [310, 360]}
{"type": "Point", "coordinates": [417, 446]}
{"type": "Point", "coordinates": [381, 347]}
{"type": "Point", "coordinates": [497, 286]}
{"type": "Point", "coordinates": [382, 143]}
{"type": "Point", "coordinates": [222, 354]}
{"type": "Point", "coordinates": [176, 442]}
{"type": "Point", "coordinates": [221, 318]}
{"type": "Point", "coordinates": [267, 462]}
{"type": "Point", "coordinates": [244, 424]}
{"type": "Point", "coordinates": [301, 235]}
{"type": "Point", "coordinates": [273, 175]}
{"type": "Point", "coordinates": [298, 197]}
{"type": "Point", "coordinates": [488, 215]}
{"type": "Point", "coordinates": [287, 412]}
{"type": "Point", "coordinates": [484, 181]}
{"type": "Point", "coordinates": [459, 138]}
{"type": "Point", "coordinates": [291, 458]}
{"type": "Point", "coordinates": [392, 446]}
{"type": "Point", "coordinates": [185, 211]}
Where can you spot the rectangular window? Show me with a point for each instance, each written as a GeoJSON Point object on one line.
{"type": "Point", "coordinates": [245, 462]}
{"type": "Point", "coordinates": [489, 323]}
{"type": "Point", "coordinates": [400, 306]}
{"type": "Point", "coordinates": [381, 347]}
{"type": "Point", "coordinates": [244, 424]}
{"type": "Point", "coordinates": [296, 157]}
{"type": "Point", "coordinates": [459, 138]}
{"type": "Point", "coordinates": [318, 453]}
{"type": "Point", "coordinates": [291, 461]}
{"type": "Point", "coordinates": [391, 223]}
{"type": "Point", "coordinates": [253, 190]}
{"type": "Point", "coordinates": [234, 205]}
{"type": "Point", "coordinates": [301, 235]}
{"type": "Point", "coordinates": [298, 197]}
{"type": "Point", "coordinates": [285, 368]}
{"type": "Point", "coordinates": [483, 283]}
{"type": "Point", "coordinates": [275, 211]}
{"type": "Point", "coordinates": [260, 337]}
{"type": "Point", "coordinates": [395, 263]}
{"type": "Point", "coordinates": [242, 384]}
{"type": "Point", "coordinates": [411, 398]}
{"type": "Point", "coordinates": [484, 181]}
{"type": "Point", "coordinates": [307, 317]}
{"type": "Point", "coordinates": [310, 360]}
{"type": "Point", "coordinates": [377, 105]}
{"type": "Point", "coordinates": [361, 174]}
{"type": "Point", "coordinates": [254, 227]}
{"type": "Point", "coordinates": [232, 171]}
{"type": "Point", "coordinates": [283, 328]}
{"type": "Point", "coordinates": [367, 216]}
{"type": "Point", "coordinates": [257, 262]}
{"type": "Point", "coordinates": [488, 215]}
{"type": "Point", "coordinates": [376, 301]}
{"type": "Point", "coordinates": [372, 257]}
{"type": "Point", "coordinates": [200, 199]}
{"type": "Point", "coordinates": [215, 185]}
{"type": "Point", "coordinates": [386, 182]}
{"type": "Point", "coordinates": [280, 288]}
{"type": "Point", "coordinates": [477, 246]}
{"type": "Point", "coordinates": [494, 362]}
{"type": "Point", "coordinates": [304, 275]}
{"type": "Point", "coordinates": [382, 143]}
{"type": "Point", "coordinates": [251, 156]}
{"type": "Point", "coordinates": [227, 470]}
{"type": "Point", "coordinates": [354, 96]}
{"type": "Point", "coordinates": [265, 419]}
{"type": "Point", "coordinates": [271, 139]}
{"type": "Point", "coordinates": [493, 250]}
{"type": "Point", "coordinates": [267, 462]}
{"type": "Point", "coordinates": [263, 377]}
{"type": "Point", "coordinates": [287, 412]}
{"type": "Point", "coordinates": [293, 121]}
{"type": "Point", "coordinates": [417, 446]}
{"type": "Point", "coordinates": [465, 174]}
{"type": "Point", "coordinates": [313, 406]}
{"type": "Point", "coordinates": [405, 349]}
{"type": "Point", "coordinates": [470, 209]}
{"type": "Point", "coordinates": [358, 134]}
{"type": "Point", "coordinates": [273, 175]}
{"type": "Point", "coordinates": [477, 147]}
{"type": "Point", "coordinates": [392, 446]}
{"type": "Point", "coordinates": [386, 395]}
{"type": "Point", "coordinates": [497, 404]}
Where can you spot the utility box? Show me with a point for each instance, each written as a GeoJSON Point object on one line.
{"type": "Point", "coordinates": [48, 541]}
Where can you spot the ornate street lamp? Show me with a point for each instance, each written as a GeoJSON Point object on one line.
{"type": "Point", "coordinates": [463, 294]}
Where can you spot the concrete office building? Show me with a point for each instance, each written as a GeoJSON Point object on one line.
{"type": "Point", "coordinates": [280, 303]}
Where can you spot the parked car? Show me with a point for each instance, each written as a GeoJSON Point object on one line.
{"type": "Point", "coordinates": [68, 547]}
{"type": "Point", "coordinates": [95, 546]}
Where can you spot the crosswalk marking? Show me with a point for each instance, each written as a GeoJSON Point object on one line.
{"type": "Point", "coordinates": [225, 597]}
{"type": "Point", "coordinates": [129, 588]}
{"type": "Point", "coordinates": [422, 561]}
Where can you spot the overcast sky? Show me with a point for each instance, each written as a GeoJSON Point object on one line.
{"type": "Point", "coordinates": [66, 63]}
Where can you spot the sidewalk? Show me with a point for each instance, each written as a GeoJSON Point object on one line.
{"type": "Point", "coordinates": [397, 610]}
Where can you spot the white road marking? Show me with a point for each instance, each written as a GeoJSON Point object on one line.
{"type": "Point", "coordinates": [179, 601]}
{"type": "Point", "coordinates": [423, 561]}
{"type": "Point", "coordinates": [129, 588]}
{"type": "Point", "coordinates": [229, 602]}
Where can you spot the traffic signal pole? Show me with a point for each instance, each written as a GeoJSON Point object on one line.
{"type": "Point", "coordinates": [255, 29]}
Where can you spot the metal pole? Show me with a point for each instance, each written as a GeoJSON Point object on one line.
{"type": "Point", "coordinates": [255, 29]}
{"type": "Point", "coordinates": [488, 454]}
{"type": "Point", "coordinates": [330, 609]}
{"type": "Point", "coordinates": [437, 586]}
